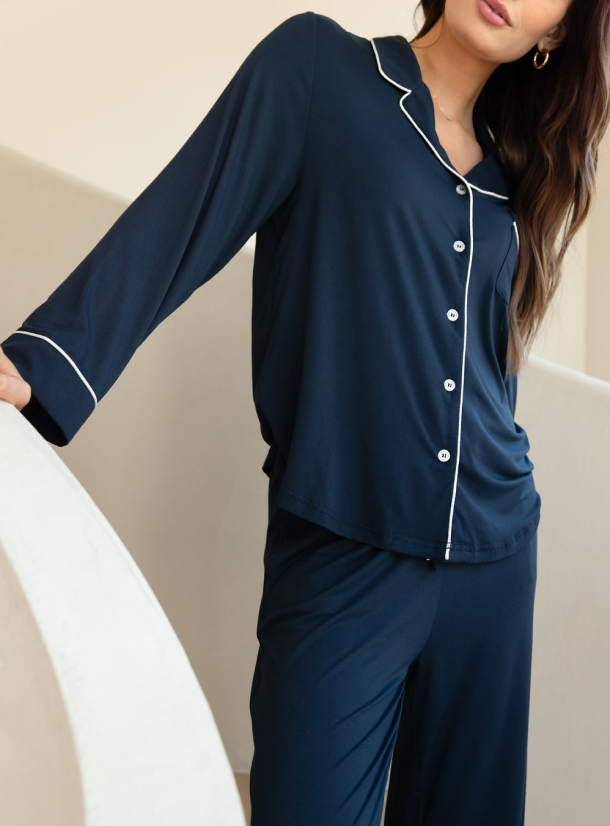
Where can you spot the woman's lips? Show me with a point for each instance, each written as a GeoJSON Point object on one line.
{"type": "Point", "coordinates": [490, 15]}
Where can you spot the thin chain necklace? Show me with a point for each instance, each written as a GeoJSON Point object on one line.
{"type": "Point", "coordinates": [471, 132]}
{"type": "Point", "coordinates": [441, 108]}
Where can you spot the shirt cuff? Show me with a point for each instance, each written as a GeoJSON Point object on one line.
{"type": "Point", "coordinates": [62, 399]}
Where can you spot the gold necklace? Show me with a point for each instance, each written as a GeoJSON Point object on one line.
{"type": "Point", "coordinates": [472, 133]}
{"type": "Point", "coordinates": [441, 108]}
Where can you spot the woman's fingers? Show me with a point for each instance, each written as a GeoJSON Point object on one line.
{"type": "Point", "coordinates": [13, 388]}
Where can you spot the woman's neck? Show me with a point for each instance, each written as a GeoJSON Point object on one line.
{"type": "Point", "coordinates": [453, 74]}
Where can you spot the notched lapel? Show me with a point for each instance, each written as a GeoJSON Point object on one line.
{"type": "Point", "coordinates": [397, 64]}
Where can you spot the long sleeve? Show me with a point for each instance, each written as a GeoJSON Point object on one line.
{"type": "Point", "coordinates": [233, 172]}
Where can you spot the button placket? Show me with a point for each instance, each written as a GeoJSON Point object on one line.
{"type": "Point", "coordinates": [462, 188]}
{"type": "Point", "coordinates": [452, 314]}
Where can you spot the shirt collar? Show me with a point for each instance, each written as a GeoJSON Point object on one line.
{"type": "Point", "coordinates": [397, 63]}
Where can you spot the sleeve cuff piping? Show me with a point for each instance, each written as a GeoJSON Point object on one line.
{"type": "Point", "coordinates": [66, 356]}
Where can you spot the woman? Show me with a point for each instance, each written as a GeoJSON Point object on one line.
{"type": "Point", "coordinates": [406, 197]}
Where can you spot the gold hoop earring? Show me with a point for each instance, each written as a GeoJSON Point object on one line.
{"type": "Point", "coordinates": [544, 52]}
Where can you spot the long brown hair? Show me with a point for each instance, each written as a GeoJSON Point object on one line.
{"type": "Point", "coordinates": [547, 125]}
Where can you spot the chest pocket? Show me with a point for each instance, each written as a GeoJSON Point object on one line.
{"type": "Point", "coordinates": [504, 281]}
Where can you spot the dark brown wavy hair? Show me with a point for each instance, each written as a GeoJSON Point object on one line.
{"type": "Point", "coordinates": [547, 125]}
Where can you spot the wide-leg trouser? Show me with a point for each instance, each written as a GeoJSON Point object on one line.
{"type": "Point", "coordinates": [373, 662]}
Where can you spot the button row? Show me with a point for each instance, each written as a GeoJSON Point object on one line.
{"type": "Point", "coordinates": [452, 315]}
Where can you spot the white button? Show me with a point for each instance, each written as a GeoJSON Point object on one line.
{"type": "Point", "coordinates": [460, 189]}
{"type": "Point", "coordinates": [444, 455]}
{"type": "Point", "coordinates": [459, 246]}
{"type": "Point", "coordinates": [452, 315]}
{"type": "Point", "coordinates": [449, 384]}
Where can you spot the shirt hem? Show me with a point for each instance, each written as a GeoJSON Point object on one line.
{"type": "Point", "coordinates": [393, 541]}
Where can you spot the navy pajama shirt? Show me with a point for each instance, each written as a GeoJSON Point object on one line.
{"type": "Point", "coordinates": [380, 294]}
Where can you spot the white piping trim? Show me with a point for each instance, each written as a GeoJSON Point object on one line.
{"type": "Point", "coordinates": [404, 88]}
{"type": "Point", "coordinates": [488, 192]}
{"type": "Point", "coordinates": [57, 347]}
{"type": "Point", "coordinates": [450, 168]}
{"type": "Point", "coordinates": [516, 233]}
{"type": "Point", "coordinates": [459, 438]}
{"type": "Point", "coordinates": [470, 188]}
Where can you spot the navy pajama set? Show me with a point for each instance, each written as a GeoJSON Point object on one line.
{"type": "Point", "coordinates": [395, 624]}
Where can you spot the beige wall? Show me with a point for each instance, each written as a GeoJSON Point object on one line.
{"type": "Point", "coordinates": [108, 91]}
{"type": "Point", "coordinates": [597, 329]}
{"type": "Point", "coordinates": [111, 108]}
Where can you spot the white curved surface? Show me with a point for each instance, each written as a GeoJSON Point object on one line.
{"type": "Point", "coordinates": [146, 743]}
{"type": "Point", "coordinates": [567, 416]}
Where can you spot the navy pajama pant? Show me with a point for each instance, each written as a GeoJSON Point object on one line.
{"type": "Point", "coordinates": [377, 665]}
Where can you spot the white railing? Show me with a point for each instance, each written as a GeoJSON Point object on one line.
{"type": "Point", "coordinates": [93, 675]}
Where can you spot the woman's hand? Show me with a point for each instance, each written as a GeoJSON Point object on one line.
{"type": "Point", "coordinates": [13, 388]}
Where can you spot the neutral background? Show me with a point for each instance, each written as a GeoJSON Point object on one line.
{"type": "Point", "coordinates": [97, 99]}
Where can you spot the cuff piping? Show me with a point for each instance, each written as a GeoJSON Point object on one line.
{"type": "Point", "coordinates": [66, 356]}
